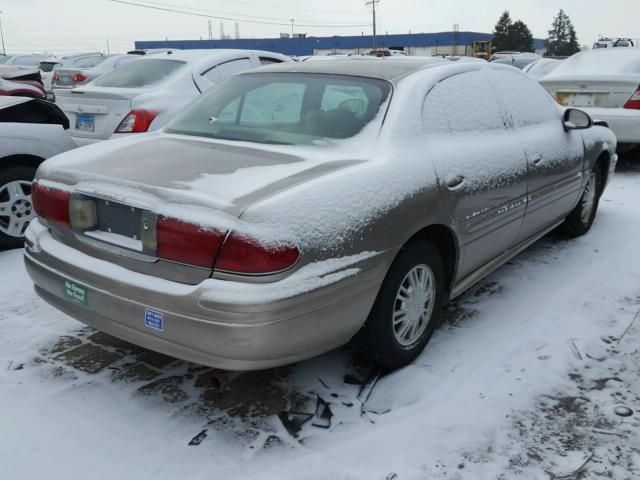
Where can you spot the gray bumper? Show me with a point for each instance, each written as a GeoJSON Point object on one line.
{"type": "Point", "coordinates": [239, 336]}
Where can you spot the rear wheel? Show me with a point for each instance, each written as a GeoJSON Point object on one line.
{"type": "Point", "coordinates": [581, 218]}
{"type": "Point", "coordinates": [407, 309]}
{"type": "Point", "coordinates": [16, 207]}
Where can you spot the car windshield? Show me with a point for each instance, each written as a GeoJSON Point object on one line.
{"type": "Point", "coordinates": [89, 62]}
{"type": "Point", "coordinates": [142, 73]}
{"type": "Point", "coordinates": [284, 108]}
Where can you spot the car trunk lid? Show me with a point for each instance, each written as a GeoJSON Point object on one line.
{"type": "Point", "coordinates": [95, 113]}
{"type": "Point", "coordinates": [592, 91]}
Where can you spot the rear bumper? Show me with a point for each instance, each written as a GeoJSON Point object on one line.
{"type": "Point", "coordinates": [199, 327]}
{"type": "Point", "coordinates": [625, 123]}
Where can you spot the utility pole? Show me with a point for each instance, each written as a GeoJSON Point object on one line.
{"type": "Point", "coordinates": [4, 52]}
{"type": "Point", "coordinates": [373, 7]}
{"type": "Point", "coordinates": [210, 31]}
{"type": "Point", "coordinates": [108, 50]}
{"type": "Point", "coordinates": [292, 20]}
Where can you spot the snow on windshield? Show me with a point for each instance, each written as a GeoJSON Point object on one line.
{"type": "Point", "coordinates": [138, 74]}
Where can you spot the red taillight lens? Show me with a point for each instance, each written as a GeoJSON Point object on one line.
{"type": "Point", "coordinates": [51, 204]}
{"type": "Point", "coordinates": [79, 78]}
{"type": "Point", "coordinates": [56, 77]}
{"type": "Point", "coordinates": [186, 242]}
{"type": "Point", "coordinates": [137, 121]}
{"type": "Point", "coordinates": [247, 256]}
{"type": "Point", "coordinates": [634, 102]}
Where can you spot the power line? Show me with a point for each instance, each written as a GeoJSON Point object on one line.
{"type": "Point", "coordinates": [172, 10]}
{"type": "Point", "coordinates": [288, 8]}
{"type": "Point", "coordinates": [217, 13]}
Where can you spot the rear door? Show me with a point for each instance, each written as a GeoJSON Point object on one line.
{"type": "Point", "coordinates": [95, 113]}
{"type": "Point", "coordinates": [555, 158]}
{"type": "Point", "coordinates": [480, 164]}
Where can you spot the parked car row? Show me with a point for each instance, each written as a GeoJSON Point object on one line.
{"type": "Point", "coordinates": [298, 207]}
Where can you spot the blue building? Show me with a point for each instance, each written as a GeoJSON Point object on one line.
{"type": "Point", "coordinates": [425, 44]}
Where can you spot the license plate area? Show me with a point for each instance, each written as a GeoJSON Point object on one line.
{"type": "Point", "coordinates": [125, 226]}
{"type": "Point", "coordinates": [85, 122]}
{"type": "Point", "coordinates": [580, 100]}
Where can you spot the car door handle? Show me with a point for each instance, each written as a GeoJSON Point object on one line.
{"type": "Point", "coordinates": [455, 183]}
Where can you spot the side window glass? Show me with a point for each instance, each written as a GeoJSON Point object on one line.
{"type": "Point", "coordinates": [224, 70]}
{"type": "Point", "coordinates": [345, 97]}
{"type": "Point", "coordinates": [269, 60]}
{"type": "Point", "coordinates": [229, 113]}
{"type": "Point", "coordinates": [525, 100]}
{"type": "Point", "coordinates": [463, 103]}
{"type": "Point", "coordinates": [277, 102]}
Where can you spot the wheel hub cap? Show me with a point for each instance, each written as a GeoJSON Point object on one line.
{"type": "Point", "coordinates": [16, 207]}
{"type": "Point", "coordinates": [413, 305]}
{"type": "Point", "coordinates": [588, 198]}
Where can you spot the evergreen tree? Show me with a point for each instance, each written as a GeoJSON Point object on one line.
{"type": "Point", "coordinates": [520, 37]}
{"type": "Point", "coordinates": [501, 32]}
{"type": "Point", "coordinates": [562, 39]}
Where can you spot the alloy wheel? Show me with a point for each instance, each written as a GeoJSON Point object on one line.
{"type": "Point", "coordinates": [16, 208]}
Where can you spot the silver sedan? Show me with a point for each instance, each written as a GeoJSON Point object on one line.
{"type": "Point", "coordinates": [298, 207]}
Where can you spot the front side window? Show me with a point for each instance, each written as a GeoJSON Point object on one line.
{"type": "Point", "coordinates": [285, 108]}
{"type": "Point", "coordinates": [142, 73]}
{"type": "Point", "coordinates": [463, 103]}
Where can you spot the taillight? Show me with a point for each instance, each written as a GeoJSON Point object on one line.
{"type": "Point", "coordinates": [186, 242]}
{"type": "Point", "coordinates": [51, 204]}
{"type": "Point", "coordinates": [137, 121]}
{"type": "Point", "coordinates": [56, 77]}
{"type": "Point", "coordinates": [79, 78]}
{"type": "Point", "coordinates": [634, 102]}
{"type": "Point", "coordinates": [245, 255]}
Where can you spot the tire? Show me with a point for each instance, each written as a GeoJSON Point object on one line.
{"type": "Point", "coordinates": [16, 209]}
{"type": "Point", "coordinates": [382, 343]}
{"type": "Point", "coordinates": [581, 218]}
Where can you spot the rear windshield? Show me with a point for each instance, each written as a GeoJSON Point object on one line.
{"type": "Point", "coordinates": [3, 59]}
{"type": "Point", "coordinates": [89, 62]}
{"type": "Point", "coordinates": [47, 66]}
{"type": "Point", "coordinates": [142, 73]}
{"type": "Point", "coordinates": [602, 61]}
{"type": "Point", "coordinates": [284, 108]}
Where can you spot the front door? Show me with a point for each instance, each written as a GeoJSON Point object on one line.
{"type": "Point", "coordinates": [555, 158]}
{"type": "Point", "coordinates": [480, 164]}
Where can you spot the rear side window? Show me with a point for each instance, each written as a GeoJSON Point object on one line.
{"type": "Point", "coordinates": [142, 73]}
{"type": "Point", "coordinates": [269, 60]}
{"type": "Point", "coordinates": [227, 69]}
{"type": "Point", "coordinates": [463, 103]}
{"type": "Point", "coordinates": [524, 99]}
{"type": "Point", "coordinates": [89, 62]}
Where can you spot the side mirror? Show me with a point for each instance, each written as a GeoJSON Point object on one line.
{"type": "Point", "coordinates": [575, 119]}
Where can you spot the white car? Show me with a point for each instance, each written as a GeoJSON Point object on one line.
{"type": "Point", "coordinates": [606, 84]}
{"type": "Point", "coordinates": [48, 65]}
{"type": "Point", "coordinates": [31, 131]}
{"type": "Point", "coordinates": [145, 94]}
{"type": "Point", "coordinates": [542, 67]}
{"type": "Point", "coordinates": [83, 70]}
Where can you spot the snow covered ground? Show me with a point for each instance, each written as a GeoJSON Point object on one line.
{"type": "Point", "coordinates": [530, 376]}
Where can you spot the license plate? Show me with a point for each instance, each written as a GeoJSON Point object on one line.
{"type": "Point", "coordinates": [76, 293]}
{"type": "Point", "coordinates": [576, 99]}
{"type": "Point", "coordinates": [86, 123]}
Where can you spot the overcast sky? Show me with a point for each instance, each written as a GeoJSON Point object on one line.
{"type": "Point", "coordinates": [77, 25]}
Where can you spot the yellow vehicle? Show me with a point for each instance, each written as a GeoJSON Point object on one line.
{"type": "Point", "coordinates": [482, 49]}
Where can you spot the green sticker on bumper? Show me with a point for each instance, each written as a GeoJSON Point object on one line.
{"type": "Point", "coordinates": [76, 293]}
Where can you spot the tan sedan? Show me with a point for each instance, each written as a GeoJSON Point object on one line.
{"type": "Point", "coordinates": [297, 207]}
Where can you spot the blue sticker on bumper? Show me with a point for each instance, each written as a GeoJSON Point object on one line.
{"type": "Point", "coordinates": [154, 319]}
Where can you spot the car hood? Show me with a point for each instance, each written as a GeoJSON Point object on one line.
{"type": "Point", "coordinates": [177, 170]}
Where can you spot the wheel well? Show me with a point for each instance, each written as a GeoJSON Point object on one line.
{"type": "Point", "coordinates": [20, 161]}
{"type": "Point", "coordinates": [604, 162]}
{"type": "Point", "coordinates": [445, 241]}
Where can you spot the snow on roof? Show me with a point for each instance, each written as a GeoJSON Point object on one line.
{"type": "Point", "coordinates": [600, 61]}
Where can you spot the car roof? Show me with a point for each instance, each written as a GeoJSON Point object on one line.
{"type": "Point", "coordinates": [194, 55]}
{"type": "Point", "coordinates": [382, 68]}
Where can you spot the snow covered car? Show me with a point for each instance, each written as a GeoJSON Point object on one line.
{"type": "Point", "coordinates": [606, 84]}
{"type": "Point", "coordinates": [48, 66]}
{"type": "Point", "coordinates": [22, 83]}
{"type": "Point", "coordinates": [294, 208]}
{"type": "Point", "coordinates": [30, 132]}
{"type": "Point", "coordinates": [144, 95]}
{"type": "Point", "coordinates": [83, 70]}
{"type": "Point", "coordinates": [541, 67]}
